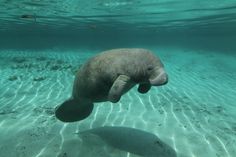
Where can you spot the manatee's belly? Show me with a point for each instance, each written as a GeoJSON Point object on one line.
{"type": "Point", "coordinates": [98, 93]}
{"type": "Point", "coordinates": [92, 87]}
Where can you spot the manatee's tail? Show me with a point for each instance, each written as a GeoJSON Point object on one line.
{"type": "Point", "coordinates": [73, 110]}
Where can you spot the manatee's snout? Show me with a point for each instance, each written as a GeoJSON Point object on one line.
{"type": "Point", "coordinates": [160, 79]}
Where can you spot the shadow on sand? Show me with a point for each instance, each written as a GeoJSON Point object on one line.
{"type": "Point", "coordinates": [131, 140]}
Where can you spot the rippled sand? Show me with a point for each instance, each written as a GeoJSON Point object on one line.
{"type": "Point", "coordinates": [192, 116]}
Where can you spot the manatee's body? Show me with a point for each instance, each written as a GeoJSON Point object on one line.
{"type": "Point", "coordinates": [107, 76]}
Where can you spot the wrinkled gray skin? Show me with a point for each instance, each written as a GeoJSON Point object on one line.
{"type": "Point", "coordinates": [109, 75]}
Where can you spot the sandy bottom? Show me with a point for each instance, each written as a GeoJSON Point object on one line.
{"type": "Point", "coordinates": [193, 116]}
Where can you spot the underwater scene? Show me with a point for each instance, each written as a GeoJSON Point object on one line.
{"type": "Point", "coordinates": [117, 78]}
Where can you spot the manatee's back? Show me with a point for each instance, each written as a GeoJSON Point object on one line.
{"type": "Point", "coordinates": [132, 62]}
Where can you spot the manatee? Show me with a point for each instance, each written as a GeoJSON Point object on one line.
{"type": "Point", "coordinates": [109, 75]}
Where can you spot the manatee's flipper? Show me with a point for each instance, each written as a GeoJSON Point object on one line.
{"type": "Point", "coordinates": [144, 88]}
{"type": "Point", "coordinates": [121, 85]}
{"type": "Point", "coordinates": [73, 110]}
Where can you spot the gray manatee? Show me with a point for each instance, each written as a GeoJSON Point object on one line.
{"type": "Point", "coordinates": [109, 75]}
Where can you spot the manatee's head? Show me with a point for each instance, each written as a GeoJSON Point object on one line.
{"type": "Point", "coordinates": [155, 70]}
{"type": "Point", "coordinates": [151, 70]}
{"type": "Point", "coordinates": [157, 76]}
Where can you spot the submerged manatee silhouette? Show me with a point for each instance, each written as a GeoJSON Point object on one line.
{"type": "Point", "coordinates": [109, 75]}
{"type": "Point", "coordinates": [130, 140]}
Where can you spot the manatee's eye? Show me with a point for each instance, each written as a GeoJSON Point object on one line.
{"type": "Point", "coordinates": [150, 68]}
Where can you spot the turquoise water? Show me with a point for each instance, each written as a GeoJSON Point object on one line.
{"type": "Point", "coordinates": [192, 116]}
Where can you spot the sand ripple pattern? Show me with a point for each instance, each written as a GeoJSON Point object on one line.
{"type": "Point", "coordinates": [194, 114]}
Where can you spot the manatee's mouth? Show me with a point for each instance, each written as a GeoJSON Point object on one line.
{"type": "Point", "coordinates": [160, 79]}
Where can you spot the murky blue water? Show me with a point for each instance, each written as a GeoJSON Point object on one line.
{"type": "Point", "coordinates": [43, 43]}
